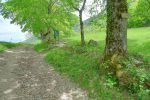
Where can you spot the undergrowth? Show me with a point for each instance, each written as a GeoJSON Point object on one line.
{"type": "Point", "coordinates": [43, 46]}
{"type": "Point", "coordinates": [81, 65]}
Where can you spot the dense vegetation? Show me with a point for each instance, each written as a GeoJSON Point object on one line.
{"type": "Point", "coordinates": [138, 16]}
{"type": "Point", "coordinates": [115, 67]}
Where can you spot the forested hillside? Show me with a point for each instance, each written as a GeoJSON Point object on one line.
{"type": "Point", "coordinates": [138, 10]}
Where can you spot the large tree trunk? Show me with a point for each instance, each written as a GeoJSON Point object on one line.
{"type": "Point", "coordinates": [81, 29]}
{"type": "Point", "coordinates": [116, 39]}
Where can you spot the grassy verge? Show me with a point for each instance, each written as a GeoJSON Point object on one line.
{"type": "Point", "coordinates": [81, 64]}
{"type": "Point", "coordinates": [6, 45]}
{"type": "Point", "coordinates": [138, 40]}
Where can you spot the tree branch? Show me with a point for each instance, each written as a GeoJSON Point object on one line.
{"type": "Point", "coordinates": [83, 6]}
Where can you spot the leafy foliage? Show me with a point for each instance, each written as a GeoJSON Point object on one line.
{"type": "Point", "coordinates": [139, 16]}
{"type": "Point", "coordinates": [37, 16]}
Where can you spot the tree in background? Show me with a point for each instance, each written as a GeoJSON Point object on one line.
{"type": "Point", "coordinates": [39, 16]}
{"type": "Point", "coordinates": [98, 19]}
{"type": "Point", "coordinates": [78, 5]}
{"type": "Point", "coordinates": [139, 16]}
{"type": "Point", "coordinates": [81, 22]}
{"type": "Point", "coordinates": [116, 39]}
{"type": "Point", "coordinates": [1, 5]}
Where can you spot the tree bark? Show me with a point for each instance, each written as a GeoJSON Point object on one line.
{"type": "Point", "coordinates": [116, 35]}
{"type": "Point", "coordinates": [81, 29]}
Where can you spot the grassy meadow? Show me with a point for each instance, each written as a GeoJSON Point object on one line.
{"type": "Point", "coordinates": [138, 40]}
{"type": "Point", "coordinates": [6, 45]}
{"type": "Point", "coordinates": [81, 64]}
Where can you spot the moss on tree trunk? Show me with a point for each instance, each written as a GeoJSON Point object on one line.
{"type": "Point", "coordinates": [116, 39]}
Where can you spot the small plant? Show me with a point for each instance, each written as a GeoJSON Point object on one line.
{"type": "Point", "coordinates": [143, 94]}
{"type": "Point", "coordinates": [110, 81]}
{"type": "Point", "coordinates": [138, 76]}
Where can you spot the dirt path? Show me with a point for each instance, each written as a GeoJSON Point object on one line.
{"type": "Point", "coordinates": [25, 76]}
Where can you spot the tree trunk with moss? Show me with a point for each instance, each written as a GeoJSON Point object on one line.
{"type": "Point", "coordinates": [116, 39]}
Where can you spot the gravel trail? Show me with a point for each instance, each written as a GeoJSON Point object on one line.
{"type": "Point", "coordinates": [25, 76]}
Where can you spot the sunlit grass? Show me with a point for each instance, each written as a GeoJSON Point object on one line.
{"type": "Point", "coordinates": [140, 35]}
{"type": "Point", "coordinates": [6, 45]}
{"type": "Point", "coordinates": [81, 64]}
{"type": "Point", "coordinates": [138, 40]}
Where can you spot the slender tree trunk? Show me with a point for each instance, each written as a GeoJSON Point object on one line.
{"type": "Point", "coordinates": [116, 39]}
{"type": "Point", "coordinates": [81, 29]}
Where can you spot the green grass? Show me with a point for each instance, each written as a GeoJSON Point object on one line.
{"type": "Point", "coordinates": [40, 47]}
{"type": "Point", "coordinates": [82, 64]}
{"type": "Point", "coordinates": [6, 45]}
{"type": "Point", "coordinates": [2, 48]}
{"type": "Point", "coordinates": [81, 68]}
{"type": "Point", "coordinates": [43, 47]}
{"type": "Point", "coordinates": [138, 40]}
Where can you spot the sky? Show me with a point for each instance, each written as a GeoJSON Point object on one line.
{"type": "Point", "coordinates": [6, 27]}
{"type": "Point", "coordinates": [86, 15]}
{"type": "Point", "coordinates": [10, 32]}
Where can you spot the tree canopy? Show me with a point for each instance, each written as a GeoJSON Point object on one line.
{"type": "Point", "coordinates": [39, 15]}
